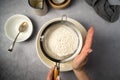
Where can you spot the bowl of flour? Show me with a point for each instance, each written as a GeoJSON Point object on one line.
{"type": "Point", "coordinates": [60, 40]}
{"type": "Point", "coordinates": [64, 66]}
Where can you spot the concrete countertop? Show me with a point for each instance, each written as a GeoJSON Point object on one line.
{"type": "Point", "coordinates": [24, 64]}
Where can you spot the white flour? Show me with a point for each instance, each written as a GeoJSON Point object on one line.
{"type": "Point", "coordinates": [62, 41]}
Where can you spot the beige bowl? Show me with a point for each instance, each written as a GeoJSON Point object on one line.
{"type": "Point", "coordinates": [64, 66]}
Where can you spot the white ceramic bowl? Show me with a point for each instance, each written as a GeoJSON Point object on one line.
{"type": "Point", "coordinates": [12, 26]}
{"type": "Point", "coordinates": [67, 65]}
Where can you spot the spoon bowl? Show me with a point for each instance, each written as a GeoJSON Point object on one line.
{"type": "Point", "coordinates": [23, 27]}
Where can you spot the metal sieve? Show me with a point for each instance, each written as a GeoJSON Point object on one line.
{"type": "Point", "coordinates": [46, 33]}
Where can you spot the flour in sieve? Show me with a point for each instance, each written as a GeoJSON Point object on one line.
{"type": "Point", "coordinates": [63, 41]}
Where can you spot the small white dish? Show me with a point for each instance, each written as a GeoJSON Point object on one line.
{"type": "Point", "coordinates": [12, 26]}
{"type": "Point", "coordinates": [67, 66]}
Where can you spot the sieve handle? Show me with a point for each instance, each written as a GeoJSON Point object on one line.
{"type": "Point", "coordinates": [56, 71]}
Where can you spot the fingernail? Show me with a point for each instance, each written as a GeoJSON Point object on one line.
{"type": "Point", "coordinates": [90, 50]}
{"type": "Point", "coordinates": [58, 77]}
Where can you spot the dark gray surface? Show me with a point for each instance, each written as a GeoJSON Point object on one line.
{"type": "Point", "coordinates": [24, 64]}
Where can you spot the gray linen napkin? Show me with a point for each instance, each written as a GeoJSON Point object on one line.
{"type": "Point", "coordinates": [104, 9]}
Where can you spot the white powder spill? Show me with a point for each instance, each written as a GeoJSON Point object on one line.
{"type": "Point", "coordinates": [62, 40]}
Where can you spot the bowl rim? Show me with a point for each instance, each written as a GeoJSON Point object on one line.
{"type": "Point", "coordinates": [12, 17]}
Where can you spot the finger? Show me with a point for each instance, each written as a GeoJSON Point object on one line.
{"type": "Point", "coordinates": [79, 65]}
{"type": "Point", "coordinates": [88, 43]}
{"type": "Point", "coordinates": [80, 59]}
{"type": "Point", "coordinates": [86, 48]}
{"type": "Point", "coordinates": [89, 38]}
{"type": "Point", "coordinates": [85, 61]}
{"type": "Point", "coordinates": [50, 74]}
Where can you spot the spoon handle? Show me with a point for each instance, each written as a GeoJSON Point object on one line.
{"type": "Point", "coordinates": [12, 46]}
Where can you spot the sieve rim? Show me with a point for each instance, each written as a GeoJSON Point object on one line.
{"type": "Point", "coordinates": [80, 41]}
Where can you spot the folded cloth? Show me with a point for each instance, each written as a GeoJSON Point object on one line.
{"type": "Point", "coordinates": [104, 9]}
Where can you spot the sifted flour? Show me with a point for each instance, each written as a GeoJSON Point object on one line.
{"type": "Point", "coordinates": [62, 41]}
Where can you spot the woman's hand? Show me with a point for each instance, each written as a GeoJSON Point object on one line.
{"type": "Point", "coordinates": [80, 60]}
{"type": "Point", "coordinates": [50, 75]}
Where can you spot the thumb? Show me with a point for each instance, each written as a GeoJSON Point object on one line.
{"type": "Point", "coordinates": [50, 74]}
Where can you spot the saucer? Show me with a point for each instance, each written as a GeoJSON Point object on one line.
{"type": "Point", "coordinates": [67, 66]}
{"type": "Point", "coordinates": [12, 26]}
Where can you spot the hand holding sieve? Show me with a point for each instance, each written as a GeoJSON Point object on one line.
{"type": "Point", "coordinates": [45, 49]}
